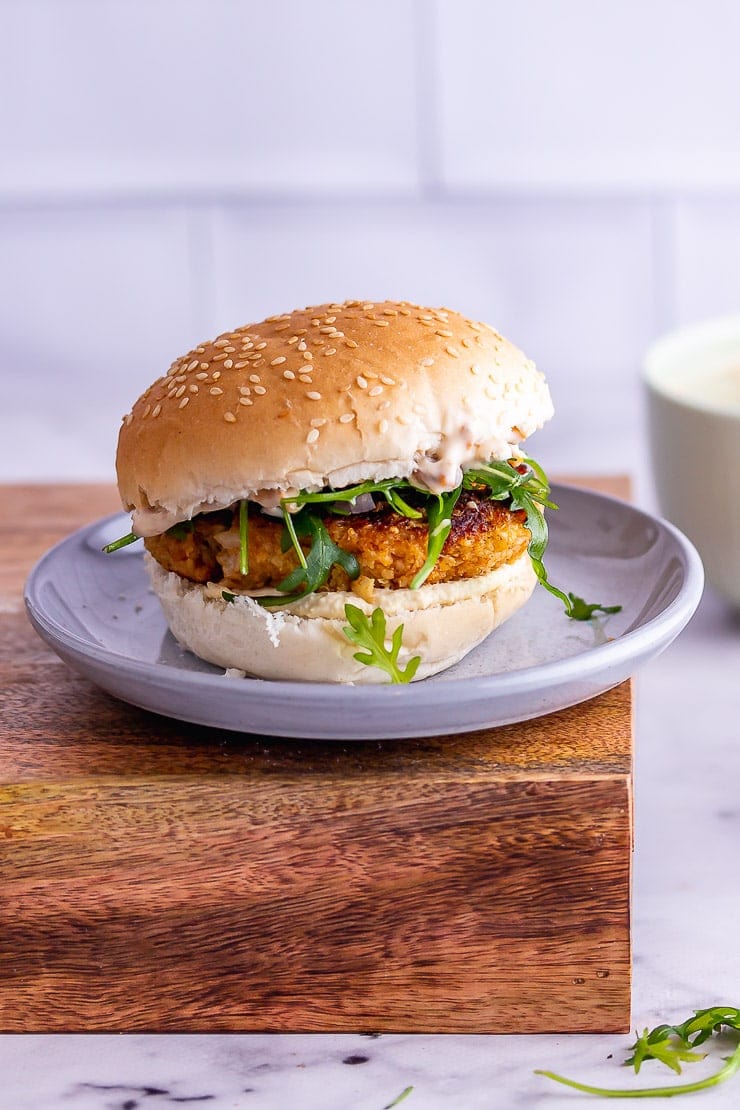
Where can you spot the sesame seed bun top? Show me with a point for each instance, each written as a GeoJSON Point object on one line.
{"type": "Point", "coordinates": [325, 396]}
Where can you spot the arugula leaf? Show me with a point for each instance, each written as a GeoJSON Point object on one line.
{"type": "Point", "coordinates": [664, 1047]}
{"type": "Point", "coordinates": [399, 1098]}
{"type": "Point", "coordinates": [672, 1045]}
{"type": "Point", "coordinates": [124, 541]}
{"type": "Point", "coordinates": [370, 633]}
{"type": "Point", "coordinates": [581, 610]}
{"type": "Point", "coordinates": [315, 565]}
{"type": "Point", "coordinates": [243, 538]}
{"type": "Point", "coordinates": [439, 523]}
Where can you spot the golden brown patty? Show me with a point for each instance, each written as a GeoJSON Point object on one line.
{"type": "Point", "coordinates": [389, 548]}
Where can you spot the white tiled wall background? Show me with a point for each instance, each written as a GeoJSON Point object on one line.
{"type": "Point", "coordinates": [568, 170]}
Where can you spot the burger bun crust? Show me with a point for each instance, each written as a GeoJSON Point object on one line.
{"type": "Point", "coordinates": [325, 396]}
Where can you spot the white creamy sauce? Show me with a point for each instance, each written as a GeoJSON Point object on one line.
{"type": "Point", "coordinates": [718, 388]}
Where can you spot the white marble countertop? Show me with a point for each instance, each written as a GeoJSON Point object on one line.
{"type": "Point", "coordinates": [686, 915]}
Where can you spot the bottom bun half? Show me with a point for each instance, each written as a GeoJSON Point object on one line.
{"type": "Point", "coordinates": [304, 641]}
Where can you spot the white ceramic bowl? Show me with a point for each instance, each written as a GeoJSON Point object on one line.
{"type": "Point", "coordinates": [693, 386]}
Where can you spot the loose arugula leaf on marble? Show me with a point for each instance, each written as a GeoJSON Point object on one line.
{"type": "Point", "coordinates": [399, 1098]}
{"type": "Point", "coordinates": [370, 633]}
{"type": "Point", "coordinates": [672, 1045]}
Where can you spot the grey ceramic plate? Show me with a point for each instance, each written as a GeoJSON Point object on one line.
{"type": "Point", "coordinates": [97, 612]}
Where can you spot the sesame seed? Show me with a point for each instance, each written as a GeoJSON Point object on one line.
{"type": "Point", "coordinates": [185, 401]}
{"type": "Point", "coordinates": [318, 422]}
{"type": "Point", "coordinates": [330, 350]}
{"type": "Point", "coordinates": [289, 375]}
{"type": "Point", "coordinates": [221, 343]}
{"type": "Point", "coordinates": [260, 390]}
{"type": "Point", "coordinates": [277, 361]}
{"type": "Point", "coordinates": [255, 378]}
{"type": "Point", "coordinates": [203, 366]}
{"type": "Point", "coordinates": [427, 317]}
{"type": "Point", "coordinates": [216, 375]}
{"type": "Point", "coordinates": [282, 327]}
{"type": "Point", "coordinates": [444, 332]}
{"type": "Point", "coordinates": [346, 417]}
{"type": "Point", "coordinates": [312, 436]}
{"type": "Point", "coordinates": [330, 319]}
{"type": "Point", "coordinates": [246, 401]}
{"type": "Point", "coordinates": [192, 365]}
{"type": "Point", "coordinates": [229, 416]}
{"type": "Point", "coordinates": [156, 410]}
{"type": "Point", "coordinates": [465, 341]}
{"type": "Point", "coordinates": [305, 378]}
{"type": "Point", "coordinates": [405, 311]}
{"type": "Point", "coordinates": [308, 356]}
{"type": "Point", "coordinates": [366, 307]}
{"type": "Point", "coordinates": [362, 382]}
{"type": "Point", "coordinates": [302, 345]}
{"type": "Point", "coordinates": [180, 391]}
{"type": "Point", "coordinates": [383, 406]}
{"type": "Point", "coordinates": [128, 418]}
{"type": "Point", "coordinates": [453, 351]}
{"type": "Point", "coordinates": [146, 411]}
{"type": "Point", "coordinates": [193, 387]}
{"type": "Point", "coordinates": [240, 365]}
{"type": "Point", "coordinates": [244, 390]}
{"type": "Point", "coordinates": [229, 363]}
{"type": "Point", "coordinates": [221, 357]}
{"type": "Point", "coordinates": [179, 378]}
{"type": "Point", "coordinates": [382, 323]}
{"type": "Point", "coordinates": [375, 391]}
{"type": "Point", "coordinates": [326, 331]}
{"type": "Point", "coordinates": [171, 393]}
{"type": "Point", "coordinates": [427, 362]}
{"type": "Point", "coordinates": [427, 323]}
{"type": "Point", "coordinates": [215, 391]}
{"type": "Point", "coordinates": [338, 335]}
{"type": "Point", "coordinates": [475, 369]}
{"type": "Point", "coordinates": [350, 343]}
{"type": "Point", "coordinates": [383, 427]}
{"type": "Point", "coordinates": [202, 376]}
{"type": "Point", "coordinates": [260, 346]}
{"type": "Point", "coordinates": [293, 339]}
{"type": "Point", "coordinates": [387, 381]}
{"type": "Point", "coordinates": [313, 395]}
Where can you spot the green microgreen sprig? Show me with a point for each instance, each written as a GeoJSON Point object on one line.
{"type": "Point", "coordinates": [672, 1045]}
{"type": "Point", "coordinates": [370, 633]}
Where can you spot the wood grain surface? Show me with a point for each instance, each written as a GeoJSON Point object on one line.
{"type": "Point", "coordinates": [156, 875]}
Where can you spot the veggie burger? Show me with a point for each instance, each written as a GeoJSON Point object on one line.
{"type": "Point", "coordinates": [340, 493]}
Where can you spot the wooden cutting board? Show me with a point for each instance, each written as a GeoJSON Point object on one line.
{"type": "Point", "coordinates": [161, 876]}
